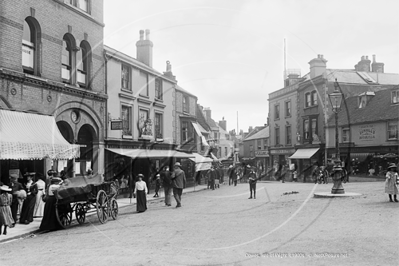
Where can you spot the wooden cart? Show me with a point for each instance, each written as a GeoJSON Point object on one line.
{"type": "Point", "coordinates": [82, 195]}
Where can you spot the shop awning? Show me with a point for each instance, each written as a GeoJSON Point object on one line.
{"type": "Point", "coordinates": [201, 163]}
{"type": "Point", "coordinates": [199, 133]}
{"type": "Point", "coordinates": [29, 136]}
{"type": "Point", "coordinates": [144, 153]}
{"type": "Point", "coordinates": [303, 153]}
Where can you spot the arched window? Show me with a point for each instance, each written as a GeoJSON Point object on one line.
{"type": "Point", "coordinates": [67, 61]}
{"type": "Point", "coordinates": [83, 59]}
{"type": "Point", "coordinates": [30, 46]}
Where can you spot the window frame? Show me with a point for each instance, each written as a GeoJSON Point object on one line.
{"type": "Point", "coordinates": [123, 77]}
{"type": "Point", "coordinates": [129, 130]}
{"type": "Point", "coordinates": [277, 111]}
{"type": "Point", "coordinates": [395, 125]}
{"type": "Point", "coordinates": [395, 99]}
{"type": "Point", "coordinates": [277, 135]}
{"type": "Point", "coordinates": [186, 104]}
{"type": "Point", "coordinates": [158, 129]}
{"type": "Point", "coordinates": [314, 100]}
{"type": "Point", "coordinates": [306, 129]}
{"type": "Point", "coordinates": [76, 4]}
{"type": "Point", "coordinates": [158, 89]}
{"type": "Point", "coordinates": [288, 135]}
{"type": "Point", "coordinates": [308, 99]}
{"type": "Point", "coordinates": [68, 47]}
{"type": "Point", "coordinates": [146, 81]}
{"type": "Point", "coordinates": [259, 144]}
{"type": "Point", "coordinates": [345, 138]}
{"type": "Point", "coordinates": [33, 45]}
{"type": "Point", "coordinates": [288, 108]}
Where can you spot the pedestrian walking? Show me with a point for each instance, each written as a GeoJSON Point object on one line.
{"type": "Point", "coordinates": [391, 183]}
{"type": "Point", "coordinates": [252, 179]}
{"type": "Point", "coordinates": [179, 182]}
{"type": "Point", "coordinates": [233, 176]}
{"type": "Point", "coordinates": [140, 193]}
{"type": "Point", "coordinates": [18, 195]}
{"type": "Point", "coordinates": [166, 179]}
{"type": "Point", "coordinates": [39, 203]}
{"type": "Point", "coordinates": [28, 206]}
{"type": "Point", "coordinates": [49, 221]}
{"type": "Point", "coordinates": [229, 174]}
{"type": "Point", "coordinates": [157, 185]}
{"type": "Point", "coordinates": [5, 208]}
{"type": "Point", "coordinates": [212, 176]}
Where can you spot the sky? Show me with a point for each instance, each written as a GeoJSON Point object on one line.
{"type": "Point", "coordinates": [230, 53]}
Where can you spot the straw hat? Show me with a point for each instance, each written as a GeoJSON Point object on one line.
{"type": "Point", "coordinates": [392, 165]}
{"type": "Point", "coordinates": [178, 164]}
{"type": "Point", "coordinates": [140, 175]}
{"type": "Point", "coordinates": [55, 180]}
{"type": "Point", "coordinates": [5, 188]}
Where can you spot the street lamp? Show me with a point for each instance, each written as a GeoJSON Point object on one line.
{"type": "Point", "coordinates": [335, 100]}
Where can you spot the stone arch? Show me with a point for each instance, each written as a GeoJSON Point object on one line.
{"type": "Point", "coordinates": [86, 136]}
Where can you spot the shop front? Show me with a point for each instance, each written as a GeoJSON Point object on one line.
{"type": "Point", "coordinates": [262, 163]}
{"type": "Point", "coordinates": [303, 161]}
{"type": "Point", "coordinates": [31, 142]}
{"type": "Point", "coordinates": [279, 156]}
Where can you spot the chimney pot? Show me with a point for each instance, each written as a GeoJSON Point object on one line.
{"type": "Point", "coordinates": [147, 34]}
{"type": "Point", "coordinates": [374, 58]}
{"type": "Point", "coordinates": [367, 57]}
{"type": "Point", "coordinates": [141, 34]}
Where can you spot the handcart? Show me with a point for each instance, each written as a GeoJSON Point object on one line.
{"type": "Point", "coordinates": [80, 194]}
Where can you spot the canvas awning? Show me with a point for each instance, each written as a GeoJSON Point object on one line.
{"type": "Point", "coordinates": [201, 163]}
{"type": "Point", "coordinates": [29, 136]}
{"type": "Point", "coordinates": [199, 133]}
{"type": "Point", "coordinates": [303, 153]}
{"type": "Point", "coordinates": [144, 153]}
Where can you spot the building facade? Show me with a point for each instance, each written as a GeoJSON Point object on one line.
{"type": "Point", "coordinates": [53, 65]}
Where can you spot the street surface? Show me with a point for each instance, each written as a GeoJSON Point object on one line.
{"type": "Point", "coordinates": [224, 227]}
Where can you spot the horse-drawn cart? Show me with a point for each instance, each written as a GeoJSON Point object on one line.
{"type": "Point", "coordinates": [80, 194]}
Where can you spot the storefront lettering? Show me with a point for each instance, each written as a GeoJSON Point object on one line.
{"type": "Point", "coordinates": [367, 132]}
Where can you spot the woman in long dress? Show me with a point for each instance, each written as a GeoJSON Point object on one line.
{"type": "Point", "coordinates": [5, 208]}
{"type": "Point", "coordinates": [49, 221]}
{"type": "Point", "coordinates": [140, 192]}
{"type": "Point", "coordinates": [28, 206]}
{"type": "Point", "coordinates": [391, 186]}
{"type": "Point", "coordinates": [39, 203]}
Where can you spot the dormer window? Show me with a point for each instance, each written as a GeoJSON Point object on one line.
{"type": "Point", "coordinates": [395, 97]}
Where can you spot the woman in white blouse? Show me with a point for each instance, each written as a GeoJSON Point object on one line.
{"type": "Point", "coordinates": [140, 192]}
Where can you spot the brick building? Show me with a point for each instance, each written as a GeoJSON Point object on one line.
{"type": "Point", "coordinates": [54, 65]}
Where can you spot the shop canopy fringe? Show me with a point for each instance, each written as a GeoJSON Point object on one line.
{"type": "Point", "coordinates": [28, 136]}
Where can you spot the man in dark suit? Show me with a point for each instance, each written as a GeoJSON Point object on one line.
{"type": "Point", "coordinates": [179, 182]}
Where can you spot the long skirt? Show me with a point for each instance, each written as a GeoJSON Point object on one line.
{"type": "Point", "coordinates": [141, 198]}
{"type": "Point", "coordinates": [6, 216]}
{"type": "Point", "coordinates": [390, 186]}
{"type": "Point", "coordinates": [39, 205]}
{"type": "Point", "coordinates": [28, 207]}
{"type": "Point", "coordinates": [49, 221]}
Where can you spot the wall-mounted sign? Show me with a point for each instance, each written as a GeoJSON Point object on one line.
{"type": "Point", "coordinates": [116, 125]}
{"type": "Point", "coordinates": [366, 132]}
{"type": "Point", "coordinates": [261, 153]}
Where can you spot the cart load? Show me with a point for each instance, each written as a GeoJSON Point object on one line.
{"type": "Point", "coordinates": [80, 194]}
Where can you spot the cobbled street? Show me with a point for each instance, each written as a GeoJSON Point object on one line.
{"type": "Point", "coordinates": [224, 227]}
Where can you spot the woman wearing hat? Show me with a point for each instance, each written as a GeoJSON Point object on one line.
{"type": "Point", "coordinates": [5, 209]}
{"type": "Point", "coordinates": [49, 221]}
{"type": "Point", "coordinates": [391, 186]}
{"type": "Point", "coordinates": [28, 206]}
{"type": "Point", "coordinates": [39, 203]}
{"type": "Point", "coordinates": [140, 192]}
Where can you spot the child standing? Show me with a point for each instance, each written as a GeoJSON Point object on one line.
{"type": "Point", "coordinates": [5, 209]}
{"type": "Point", "coordinates": [157, 185]}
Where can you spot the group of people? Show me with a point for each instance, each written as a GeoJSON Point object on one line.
{"type": "Point", "coordinates": [21, 201]}
{"type": "Point", "coordinates": [171, 181]}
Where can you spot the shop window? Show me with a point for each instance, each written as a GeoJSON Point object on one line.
{"type": "Point", "coordinates": [125, 77]}
{"type": "Point", "coordinates": [158, 89]}
{"type": "Point", "coordinates": [277, 111]}
{"type": "Point", "coordinates": [30, 46]}
{"type": "Point", "coordinates": [345, 135]}
{"type": "Point", "coordinates": [288, 109]}
{"type": "Point", "coordinates": [288, 135]}
{"type": "Point", "coordinates": [393, 130]}
{"type": "Point", "coordinates": [126, 120]}
{"type": "Point", "coordinates": [158, 125]}
{"type": "Point", "coordinates": [395, 97]}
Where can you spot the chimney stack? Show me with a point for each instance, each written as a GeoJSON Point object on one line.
{"type": "Point", "coordinates": [144, 48]}
{"type": "Point", "coordinates": [223, 123]}
{"type": "Point", "coordinates": [168, 73]}
{"type": "Point", "coordinates": [363, 65]}
{"type": "Point", "coordinates": [377, 67]}
{"type": "Point", "coordinates": [208, 114]}
{"type": "Point", "coordinates": [317, 66]}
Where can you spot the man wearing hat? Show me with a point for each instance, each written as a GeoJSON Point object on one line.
{"type": "Point", "coordinates": [391, 185]}
{"type": "Point", "coordinates": [179, 182]}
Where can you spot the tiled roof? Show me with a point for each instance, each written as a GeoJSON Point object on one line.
{"type": "Point", "coordinates": [254, 131]}
{"type": "Point", "coordinates": [183, 90]}
{"type": "Point", "coordinates": [359, 77]}
{"type": "Point", "coordinates": [201, 118]}
{"type": "Point", "coordinates": [379, 108]}
{"type": "Point", "coordinates": [262, 134]}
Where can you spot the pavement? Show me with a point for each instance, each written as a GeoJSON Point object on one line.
{"type": "Point", "coordinates": [30, 230]}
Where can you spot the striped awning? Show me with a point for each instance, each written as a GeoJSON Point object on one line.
{"type": "Point", "coordinates": [29, 136]}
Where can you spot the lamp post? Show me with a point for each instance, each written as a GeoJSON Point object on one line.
{"type": "Point", "coordinates": [335, 100]}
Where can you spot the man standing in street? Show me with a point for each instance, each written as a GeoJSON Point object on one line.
{"type": "Point", "coordinates": [167, 185]}
{"type": "Point", "coordinates": [179, 182]}
{"type": "Point", "coordinates": [252, 183]}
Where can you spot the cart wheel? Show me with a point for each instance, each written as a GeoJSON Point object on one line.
{"type": "Point", "coordinates": [80, 213]}
{"type": "Point", "coordinates": [102, 206]}
{"type": "Point", "coordinates": [114, 209]}
{"type": "Point", "coordinates": [64, 214]}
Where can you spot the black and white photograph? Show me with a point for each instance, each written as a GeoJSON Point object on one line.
{"type": "Point", "coordinates": [199, 132]}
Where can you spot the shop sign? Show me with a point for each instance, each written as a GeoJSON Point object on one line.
{"type": "Point", "coordinates": [262, 153]}
{"type": "Point", "coordinates": [281, 151]}
{"type": "Point", "coordinates": [366, 133]}
{"type": "Point", "coordinates": [116, 125]}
